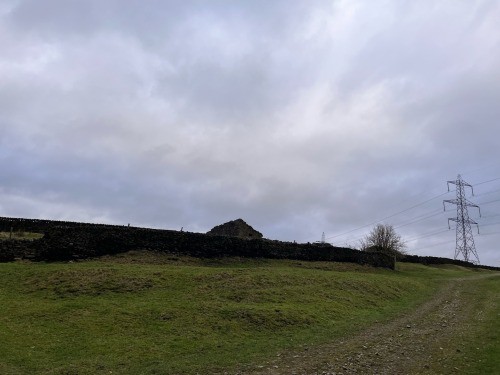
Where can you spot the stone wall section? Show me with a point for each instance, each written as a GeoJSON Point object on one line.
{"type": "Point", "coordinates": [64, 241]}
{"type": "Point", "coordinates": [427, 260]}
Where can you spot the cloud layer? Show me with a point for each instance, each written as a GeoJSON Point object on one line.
{"type": "Point", "coordinates": [300, 117]}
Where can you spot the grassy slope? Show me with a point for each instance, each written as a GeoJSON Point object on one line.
{"type": "Point", "coordinates": [483, 341]}
{"type": "Point", "coordinates": [150, 314]}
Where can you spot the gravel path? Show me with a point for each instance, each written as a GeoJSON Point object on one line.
{"type": "Point", "coordinates": [424, 341]}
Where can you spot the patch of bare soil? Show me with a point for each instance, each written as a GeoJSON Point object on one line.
{"type": "Point", "coordinates": [424, 341]}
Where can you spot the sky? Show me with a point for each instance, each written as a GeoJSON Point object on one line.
{"type": "Point", "coordinates": [300, 117]}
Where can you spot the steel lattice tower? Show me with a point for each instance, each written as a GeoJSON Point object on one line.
{"type": "Point", "coordinates": [465, 239]}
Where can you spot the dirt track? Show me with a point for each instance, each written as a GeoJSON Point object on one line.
{"type": "Point", "coordinates": [425, 341]}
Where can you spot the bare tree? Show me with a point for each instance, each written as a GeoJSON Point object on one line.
{"type": "Point", "coordinates": [383, 238]}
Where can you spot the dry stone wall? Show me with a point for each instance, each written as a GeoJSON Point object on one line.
{"type": "Point", "coordinates": [427, 260]}
{"type": "Point", "coordinates": [64, 240]}
{"type": "Point", "coordinates": [68, 240]}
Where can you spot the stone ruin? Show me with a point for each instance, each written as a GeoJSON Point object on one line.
{"type": "Point", "coordinates": [236, 228]}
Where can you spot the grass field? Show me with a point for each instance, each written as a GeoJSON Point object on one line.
{"type": "Point", "coordinates": [155, 314]}
{"type": "Point", "coordinates": [483, 356]}
{"type": "Point", "coordinates": [17, 235]}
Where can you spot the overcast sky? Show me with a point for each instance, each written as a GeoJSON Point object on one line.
{"type": "Point", "coordinates": [300, 117]}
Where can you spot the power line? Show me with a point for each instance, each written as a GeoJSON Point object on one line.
{"type": "Point", "coordinates": [485, 182]}
{"type": "Point", "coordinates": [420, 218]}
{"type": "Point", "coordinates": [432, 233]}
{"type": "Point", "coordinates": [428, 234]}
{"type": "Point", "coordinates": [424, 235]}
{"type": "Point", "coordinates": [488, 192]}
{"type": "Point", "coordinates": [482, 168]}
{"type": "Point", "coordinates": [489, 234]}
{"type": "Point", "coordinates": [416, 220]}
{"type": "Point", "coordinates": [493, 201]}
{"type": "Point", "coordinates": [490, 224]}
{"type": "Point", "coordinates": [433, 245]}
{"type": "Point", "coordinates": [410, 208]}
{"type": "Point", "coordinates": [490, 216]}
{"type": "Point", "coordinates": [390, 216]}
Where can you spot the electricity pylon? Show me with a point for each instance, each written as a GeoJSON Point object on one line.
{"type": "Point", "coordinates": [465, 239]}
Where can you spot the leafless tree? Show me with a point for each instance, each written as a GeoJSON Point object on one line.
{"type": "Point", "coordinates": [383, 238]}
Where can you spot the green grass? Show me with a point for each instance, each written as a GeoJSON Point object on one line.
{"type": "Point", "coordinates": [20, 235]}
{"type": "Point", "coordinates": [152, 314]}
{"type": "Point", "coordinates": [483, 341]}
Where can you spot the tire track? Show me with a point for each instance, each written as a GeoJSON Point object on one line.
{"type": "Point", "coordinates": [417, 342]}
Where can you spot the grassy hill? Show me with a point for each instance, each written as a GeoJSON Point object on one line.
{"type": "Point", "coordinates": [149, 313]}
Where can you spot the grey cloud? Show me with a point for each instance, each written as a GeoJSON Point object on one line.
{"type": "Point", "coordinates": [300, 117]}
